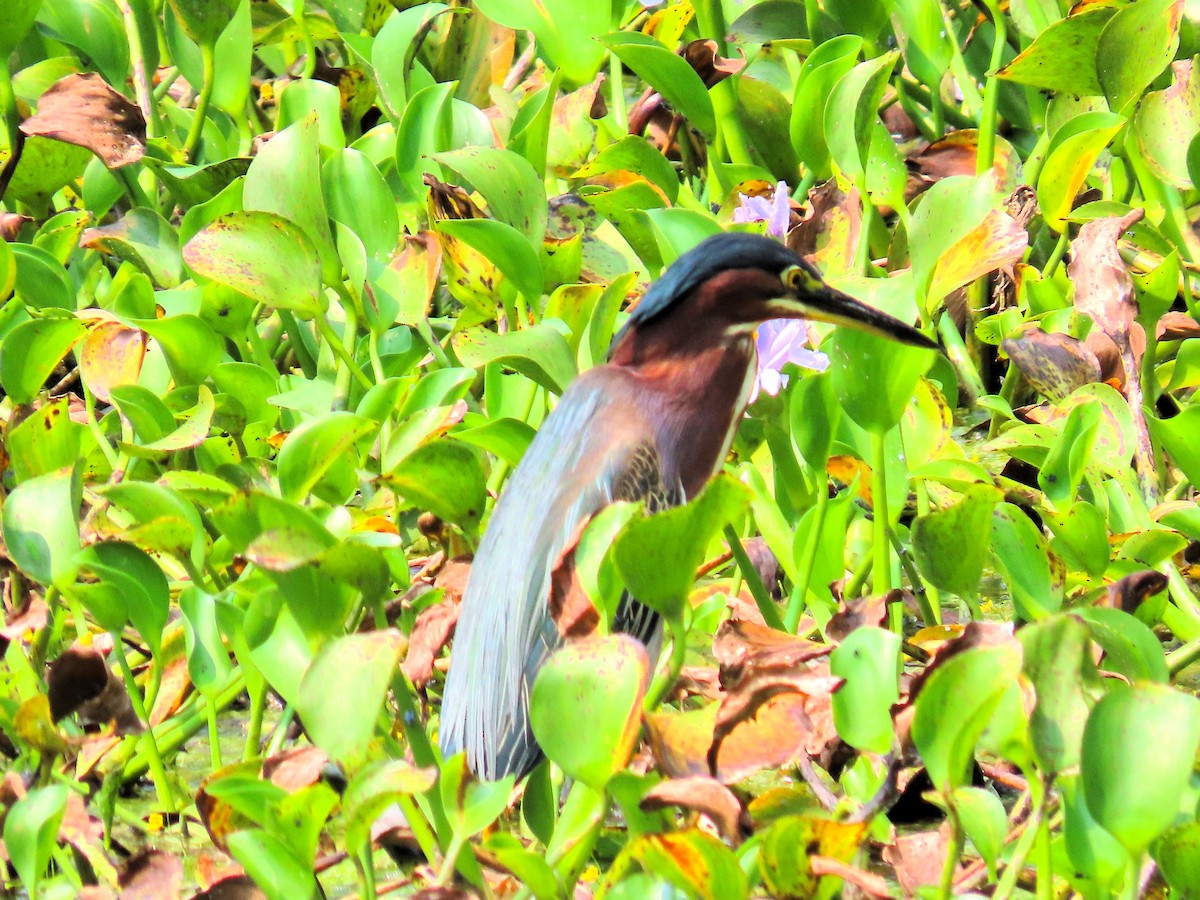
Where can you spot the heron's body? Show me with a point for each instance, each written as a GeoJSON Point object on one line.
{"type": "Point", "coordinates": [654, 424]}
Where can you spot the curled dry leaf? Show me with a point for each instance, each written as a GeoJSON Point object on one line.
{"type": "Point", "coordinates": [570, 606]}
{"type": "Point", "coordinates": [868, 882]}
{"type": "Point", "coordinates": [1055, 365]}
{"type": "Point", "coordinates": [955, 154]}
{"type": "Point", "coordinates": [151, 875]}
{"type": "Point", "coordinates": [1133, 590]}
{"type": "Point", "coordinates": [10, 225]}
{"type": "Point", "coordinates": [860, 611]}
{"type": "Point", "coordinates": [296, 768]}
{"type": "Point", "coordinates": [1177, 326]}
{"type": "Point", "coordinates": [703, 795]}
{"type": "Point", "coordinates": [432, 631]}
{"type": "Point", "coordinates": [918, 858]}
{"type": "Point", "coordinates": [85, 833]}
{"type": "Point", "coordinates": [712, 68]}
{"type": "Point", "coordinates": [84, 110]}
{"type": "Point", "coordinates": [175, 686]}
{"type": "Point", "coordinates": [772, 739]}
{"type": "Point", "coordinates": [741, 645]}
{"type": "Point", "coordinates": [470, 276]}
{"type": "Point", "coordinates": [29, 616]}
{"type": "Point", "coordinates": [1104, 291]}
{"type": "Point", "coordinates": [829, 234]}
{"type": "Point", "coordinates": [996, 243]}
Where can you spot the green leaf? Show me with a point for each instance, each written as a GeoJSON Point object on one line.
{"type": "Point", "coordinates": [1060, 474]}
{"type": "Point", "coordinates": [696, 863]}
{"type": "Point", "coordinates": [1069, 163]}
{"type": "Point", "coordinates": [1080, 537]}
{"type": "Point", "coordinates": [310, 450]}
{"type": "Point", "coordinates": [31, 832]}
{"type": "Point", "coordinates": [360, 666]}
{"type": "Point", "coordinates": [471, 805]}
{"type": "Point", "coordinates": [192, 349]}
{"type": "Point", "coordinates": [540, 353]}
{"type": "Point", "coordinates": [984, 821]}
{"type": "Point", "coordinates": [565, 30]}
{"type": "Point", "coordinates": [273, 866]}
{"type": "Point", "coordinates": [955, 705]}
{"type": "Point", "coordinates": [851, 113]}
{"type": "Point", "coordinates": [308, 96]}
{"type": "Point", "coordinates": [41, 525]}
{"type": "Point", "coordinates": [1058, 663]}
{"type": "Point", "coordinates": [46, 441]}
{"type": "Point", "coordinates": [601, 681]}
{"type": "Point", "coordinates": [16, 18]}
{"type": "Point", "coordinates": [1130, 647]}
{"type": "Point", "coordinates": [1138, 750]}
{"type": "Point", "coordinates": [823, 69]}
{"type": "Point", "coordinates": [207, 658]}
{"type": "Point", "coordinates": [1178, 856]}
{"type": "Point", "coordinates": [658, 555]}
{"type": "Point", "coordinates": [191, 432]}
{"type": "Point", "coordinates": [1165, 124]}
{"type": "Point", "coordinates": [1021, 555]}
{"type": "Point", "coordinates": [32, 351]}
{"type": "Point", "coordinates": [359, 197]}
{"type": "Point", "coordinates": [262, 255]}
{"type": "Point", "coordinates": [446, 478]}
{"type": "Point", "coordinates": [376, 787]}
{"type": "Point", "coordinates": [392, 56]}
{"type": "Point", "coordinates": [669, 74]}
{"type": "Point", "coordinates": [505, 247]}
{"type": "Point", "coordinates": [1135, 46]}
{"type": "Point", "coordinates": [1064, 57]}
{"type": "Point", "coordinates": [1177, 435]}
{"type": "Point", "coordinates": [204, 20]}
{"type": "Point", "coordinates": [874, 378]}
{"type": "Point", "coordinates": [868, 659]}
{"type": "Point", "coordinates": [634, 154]}
{"type": "Point", "coordinates": [285, 179]}
{"type": "Point", "coordinates": [129, 587]}
{"type": "Point", "coordinates": [514, 192]}
{"type": "Point", "coordinates": [949, 545]}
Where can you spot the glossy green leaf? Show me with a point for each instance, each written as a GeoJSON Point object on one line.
{"type": "Point", "coordinates": [1063, 58]}
{"type": "Point", "coordinates": [873, 378]}
{"type": "Point", "coordinates": [1068, 165]}
{"type": "Point", "coordinates": [446, 478]}
{"type": "Point", "coordinates": [471, 805]}
{"type": "Point", "coordinates": [207, 657]}
{"type": "Point", "coordinates": [1135, 46]}
{"type": "Point", "coordinates": [1059, 665]}
{"type": "Point", "coordinates": [15, 21]}
{"type": "Point", "coordinates": [955, 704]}
{"type": "Point", "coordinates": [1177, 436]}
{"type": "Point", "coordinates": [41, 525]}
{"type": "Point", "coordinates": [572, 49]}
{"type": "Point", "coordinates": [311, 449]}
{"type": "Point", "coordinates": [358, 197]}
{"type": "Point", "coordinates": [511, 188]}
{"type": "Point", "coordinates": [262, 255]}
{"type": "Point", "coordinates": [1165, 124]}
{"type": "Point", "coordinates": [191, 348]}
{"type": "Point", "coordinates": [204, 20]}
{"type": "Point", "coordinates": [634, 154]}
{"type": "Point", "coordinates": [868, 659]}
{"type": "Point", "coordinates": [31, 832]}
{"type": "Point", "coordinates": [821, 71]}
{"type": "Point", "coordinates": [1130, 647]}
{"type": "Point", "coordinates": [983, 820]}
{"type": "Point", "coordinates": [271, 863]}
{"type": "Point", "coordinates": [658, 555]}
{"type": "Point", "coordinates": [1062, 471]}
{"type": "Point", "coordinates": [1022, 556]}
{"type": "Point", "coordinates": [669, 74]}
{"type": "Point", "coordinates": [360, 666]}
{"type": "Point", "coordinates": [129, 587]}
{"type": "Point", "coordinates": [31, 352]}
{"type": "Point", "coordinates": [540, 353]}
{"type": "Point", "coordinates": [851, 112]}
{"type": "Point", "coordinates": [505, 247]}
{"type": "Point", "coordinates": [600, 681]}
{"type": "Point", "coordinates": [951, 545]}
{"type": "Point", "coordinates": [1178, 856]}
{"type": "Point", "coordinates": [1138, 749]}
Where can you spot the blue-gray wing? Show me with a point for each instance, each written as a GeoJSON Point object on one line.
{"type": "Point", "coordinates": [594, 448]}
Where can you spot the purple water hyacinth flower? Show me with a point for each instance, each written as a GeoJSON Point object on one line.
{"type": "Point", "coordinates": [780, 341]}
{"type": "Point", "coordinates": [774, 210]}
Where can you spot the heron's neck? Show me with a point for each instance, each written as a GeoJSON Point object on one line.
{"type": "Point", "coordinates": [695, 395]}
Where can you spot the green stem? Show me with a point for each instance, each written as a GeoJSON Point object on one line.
{"type": "Point", "coordinates": [258, 706]}
{"type": "Point", "coordinates": [576, 833]}
{"type": "Point", "coordinates": [869, 215]}
{"type": "Point", "coordinates": [710, 18]}
{"type": "Point", "coordinates": [208, 60]}
{"type": "Point", "coordinates": [960, 359]}
{"type": "Point", "coordinates": [758, 590]}
{"type": "Point", "coordinates": [343, 353]}
{"type": "Point", "coordinates": [859, 577]}
{"type": "Point", "coordinates": [162, 787]}
{"type": "Point", "coordinates": [986, 151]}
{"type": "Point", "coordinates": [308, 363]}
{"type": "Point", "coordinates": [310, 46]}
{"type": "Point", "coordinates": [882, 567]}
{"type": "Point", "coordinates": [924, 96]}
{"type": "Point", "coordinates": [214, 733]}
{"type": "Point", "coordinates": [1056, 255]}
{"type": "Point", "coordinates": [953, 852]}
{"type": "Point", "coordinates": [664, 680]}
{"type": "Point", "coordinates": [12, 122]}
{"type": "Point", "coordinates": [1016, 862]}
{"type": "Point", "coordinates": [425, 838]}
{"type": "Point", "coordinates": [366, 869]}
{"type": "Point", "coordinates": [1182, 657]}
{"type": "Point", "coordinates": [452, 852]}
{"type": "Point", "coordinates": [617, 93]}
{"type": "Point", "coordinates": [141, 71]}
{"type": "Point", "coordinates": [799, 597]}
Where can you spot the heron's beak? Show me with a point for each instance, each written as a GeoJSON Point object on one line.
{"type": "Point", "coordinates": [818, 302]}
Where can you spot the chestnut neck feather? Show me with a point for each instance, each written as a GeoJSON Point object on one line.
{"type": "Point", "coordinates": [692, 366]}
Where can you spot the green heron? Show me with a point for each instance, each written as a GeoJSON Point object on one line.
{"type": "Point", "coordinates": [653, 424]}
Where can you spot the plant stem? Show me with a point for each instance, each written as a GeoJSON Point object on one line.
{"type": "Point", "coordinates": [710, 18]}
{"type": "Point", "coordinates": [986, 150]}
{"type": "Point", "coordinates": [799, 598]}
{"type": "Point", "coordinates": [953, 852]}
{"type": "Point", "coordinates": [762, 597]}
{"type": "Point", "coordinates": [258, 705]}
{"type": "Point", "coordinates": [308, 364]}
{"type": "Point", "coordinates": [1056, 254]}
{"type": "Point", "coordinates": [882, 546]}
{"type": "Point", "coordinates": [208, 59]}
{"type": "Point", "coordinates": [162, 787]}
{"type": "Point", "coordinates": [337, 345]}
{"type": "Point", "coordinates": [214, 733]}
{"type": "Point", "coordinates": [664, 680]}
{"type": "Point", "coordinates": [447, 870]}
{"type": "Point", "coordinates": [141, 72]}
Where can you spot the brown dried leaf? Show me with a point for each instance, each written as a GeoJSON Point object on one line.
{"type": "Point", "coordinates": [570, 606]}
{"type": "Point", "coordinates": [712, 68]}
{"type": "Point", "coordinates": [740, 645]}
{"type": "Point", "coordinates": [828, 235]}
{"type": "Point", "coordinates": [85, 833]}
{"type": "Point", "coordinates": [176, 685]}
{"type": "Point", "coordinates": [857, 612]}
{"type": "Point", "coordinates": [151, 875]}
{"type": "Point", "coordinates": [1133, 590]}
{"type": "Point", "coordinates": [867, 882]}
{"type": "Point", "coordinates": [774, 738]}
{"type": "Point", "coordinates": [1103, 286]}
{"type": "Point", "coordinates": [296, 768]}
{"type": "Point", "coordinates": [80, 674]}
{"type": "Point", "coordinates": [1055, 365]}
{"type": "Point", "coordinates": [235, 887]}
{"type": "Point", "coordinates": [432, 631]}
{"type": "Point", "coordinates": [29, 616]}
{"type": "Point", "coordinates": [10, 225]}
{"type": "Point", "coordinates": [1177, 326]}
{"type": "Point", "coordinates": [918, 858]}
{"type": "Point", "coordinates": [83, 110]}
{"type": "Point", "coordinates": [703, 795]}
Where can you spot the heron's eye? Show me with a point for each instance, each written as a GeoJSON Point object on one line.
{"type": "Point", "coordinates": [795, 278]}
